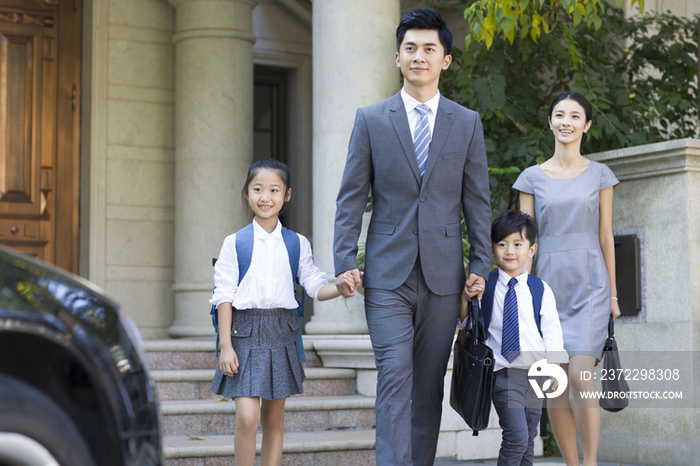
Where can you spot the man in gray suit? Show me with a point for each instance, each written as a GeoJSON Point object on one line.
{"type": "Point", "coordinates": [424, 158]}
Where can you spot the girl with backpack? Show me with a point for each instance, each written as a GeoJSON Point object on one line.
{"type": "Point", "coordinates": [260, 362]}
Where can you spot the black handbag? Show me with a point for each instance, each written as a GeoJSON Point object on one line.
{"type": "Point", "coordinates": [472, 372]}
{"type": "Point", "coordinates": [613, 381]}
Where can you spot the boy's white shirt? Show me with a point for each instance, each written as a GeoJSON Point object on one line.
{"type": "Point", "coordinates": [268, 282]}
{"type": "Point", "coordinates": [533, 347]}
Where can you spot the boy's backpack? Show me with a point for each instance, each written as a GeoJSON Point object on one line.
{"type": "Point", "coordinates": [536, 290]}
{"type": "Point", "coordinates": [244, 251]}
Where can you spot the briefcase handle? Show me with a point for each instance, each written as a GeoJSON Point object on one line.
{"type": "Point", "coordinates": [478, 319]}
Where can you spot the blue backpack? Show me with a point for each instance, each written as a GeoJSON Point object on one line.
{"type": "Point", "coordinates": [536, 290]}
{"type": "Point", "coordinates": [244, 251]}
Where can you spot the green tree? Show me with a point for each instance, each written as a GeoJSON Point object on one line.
{"type": "Point", "coordinates": [489, 19]}
{"type": "Point", "coordinates": [641, 94]}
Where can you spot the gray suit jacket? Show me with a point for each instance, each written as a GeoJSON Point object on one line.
{"type": "Point", "coordinates": [409, 216]}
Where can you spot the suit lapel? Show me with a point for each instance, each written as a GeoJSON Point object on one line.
{"type": "Point", "coordinates": [400, 122]}
{"type": "Point", "coordinates": [443, 124]}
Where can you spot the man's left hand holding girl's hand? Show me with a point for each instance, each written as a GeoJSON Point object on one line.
{"type": "Point", "coordinates": [348, 282]}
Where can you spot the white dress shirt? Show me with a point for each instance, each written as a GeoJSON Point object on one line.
{"type": "Point", "coordinates": [268, 282]}
{"type": "Point", "coordinates": [533, 346]}
{"type": "Point", "coordinates": [410, 105]}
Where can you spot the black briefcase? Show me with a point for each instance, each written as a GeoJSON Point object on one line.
{"type": "Point", "coordinates": [472, 372]}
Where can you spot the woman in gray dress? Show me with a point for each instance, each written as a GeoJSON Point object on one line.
{"type": "Point", "coordinates": [571, 199]}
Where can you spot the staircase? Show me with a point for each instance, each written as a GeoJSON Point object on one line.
{"type": "Point", "coordinates": [329, 424]}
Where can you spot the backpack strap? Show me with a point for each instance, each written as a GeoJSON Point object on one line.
{"type": "Point", "coordinates": [291, 241]}
{"type": "Point", "coordinates": [244, 252]}
{"type": "Point", "coordinates": [537, 291]}
{"type": "Point", "coordinates": [487, 298]}
{"type": "Point", "coordinates": [244, 249]}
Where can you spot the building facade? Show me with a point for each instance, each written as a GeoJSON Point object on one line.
{"type": "Point", "coordinates": [130, 125]}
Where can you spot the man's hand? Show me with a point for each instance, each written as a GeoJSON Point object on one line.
{"type": "Point", "coordinates": [475, 285]}
{"type": "Point", "coordinates": [344, 286]}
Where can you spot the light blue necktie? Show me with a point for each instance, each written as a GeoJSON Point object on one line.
{"type": "Point", "coordinates": [510, 347]}
{"type": "Point", "coordinates": [421, 139]}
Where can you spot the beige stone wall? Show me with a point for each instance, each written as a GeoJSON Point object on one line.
{"type": "Point", "coordinates": [138, 164]}
{"type": "Point", "coordinates": [686, 8]}
{"type": "Point", "coordinates": [657, 200]}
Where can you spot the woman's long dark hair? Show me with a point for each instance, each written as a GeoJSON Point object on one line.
{"type": "Point", "coordinates": [269, 164]}
{"type": "Point", "coordinates": [582, 101]}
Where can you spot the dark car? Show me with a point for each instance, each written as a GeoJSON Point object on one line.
{"type": "Point", "coordinates": [74, 386]}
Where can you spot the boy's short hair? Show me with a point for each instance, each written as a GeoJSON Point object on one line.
{"type": "Point", "coordinates": [425, 18]}
{"type": "Point", "coordinates": [513, 221]}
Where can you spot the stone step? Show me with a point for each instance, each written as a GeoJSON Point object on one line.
{"type": "Point", "coordinates": [346, 447]}
{"type": "Point", "coordinates": [193, 353]}
{"type": "Point", "coordinates": [206, 417]}
{"type": "Point", "coordinates": [195, 384]}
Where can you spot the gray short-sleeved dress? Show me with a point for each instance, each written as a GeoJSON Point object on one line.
{"type": "Point", "coordinates": [569, 257]}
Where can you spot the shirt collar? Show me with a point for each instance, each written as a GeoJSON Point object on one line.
{"type": "Point", "coordinates": [505, 278]}
{"type": "Point", "coordinates": [262, 234]}
{"type": "Point", "coordinates": [410, 103]}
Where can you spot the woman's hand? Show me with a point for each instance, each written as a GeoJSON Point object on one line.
{"type": "Point", "coordinates": [228, 361]}
{"type": "Point", "coordinates": [614, 309]}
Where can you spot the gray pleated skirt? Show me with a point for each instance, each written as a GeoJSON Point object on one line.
{"type": "Point", "coordinates": [268, 362]}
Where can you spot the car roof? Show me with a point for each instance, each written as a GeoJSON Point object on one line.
{"type": "Point", "coordinates": [55, 273]}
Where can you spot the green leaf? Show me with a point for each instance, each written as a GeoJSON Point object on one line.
{"type": "Point", "coordinates": [597, 22]}
{"type": "Point", "coordinates": [577, 17]}
{"type": "Point", "coordinates": [476, 29]}
{"type": "Point", "coordinates": [490, 146]}
{"type": "Point", "coordinates": [581, 8]}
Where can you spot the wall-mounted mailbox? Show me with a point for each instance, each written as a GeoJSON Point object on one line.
{"type": "Point", "coordinates": [628, 274]}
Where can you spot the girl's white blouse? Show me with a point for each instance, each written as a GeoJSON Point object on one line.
{"type": "Point", "coordinates": [268, 282]}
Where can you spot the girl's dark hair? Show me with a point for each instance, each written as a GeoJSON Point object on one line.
{"type": "Point", "coordinates": [268, 164]}
{"type": "Point", "coordinates": [582, 101]}
{"type": "Point", "coordinates": [425, 18]}
{"type": "Point", "coordinates": [513, 221]}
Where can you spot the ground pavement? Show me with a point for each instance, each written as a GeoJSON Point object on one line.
{"type": "Point", "coordinates": [538, 461]}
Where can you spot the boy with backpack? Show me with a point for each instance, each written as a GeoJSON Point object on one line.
{"type": "Point", "coordinates": [521, 319]}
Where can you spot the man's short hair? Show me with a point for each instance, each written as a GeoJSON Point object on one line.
{"type": "Point", "coordinates": [513, 221]}
{"type": "Point", "coordinates": [425, 18]}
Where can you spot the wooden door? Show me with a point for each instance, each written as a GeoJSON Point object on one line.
{"type": "Point", "coordinates": [39, 128]}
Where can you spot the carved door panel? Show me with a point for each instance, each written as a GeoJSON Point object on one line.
{"type": "Point", "coordinates": [34, 150]}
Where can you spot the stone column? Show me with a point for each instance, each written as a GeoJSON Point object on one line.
{"type": "Point", "coordinates": [353, 66]}
{"type": "Point", "coordinates": [213, 144]}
